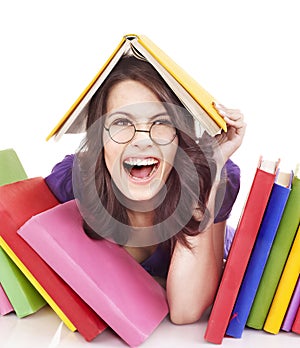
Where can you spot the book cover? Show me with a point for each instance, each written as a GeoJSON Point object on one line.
{"type": "Point", "coordinates": [20, 293]}
{"type": "Point", "coordinates": [296, 324]}
{"type": "Point", "coordinates": [259, 255]}
{"type": "Point", "coordinates": [14, 212]}
{"type": "Point", "coordinates": [11, 169]}
{"type": "Point", "coordinates": [285, 289]}
{"type": "Point", "coordinates": [277, 258]}
{"type": "Point", "coordinates": [195, 98]}
{"type": "Point", "coordinates": [103, 273]}
{"type": "Point", "coordinates": [5, 305]}
{"type": "Point", "coordinates": [240, 251]}
{"type": "Point", "coordinates": [292, 310]}
{"type": "Point", "coordinates": [24, 298]}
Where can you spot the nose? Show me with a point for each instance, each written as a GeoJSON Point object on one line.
{"type": "Point", "coordinates": [142, 138]}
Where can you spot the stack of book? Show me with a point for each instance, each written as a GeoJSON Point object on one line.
{"type": "Point", "coordinates": [260, 284]}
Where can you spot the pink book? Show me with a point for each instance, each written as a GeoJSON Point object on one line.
{"type": "Point", "coordinates": [103, 274]}
{"type": "Point", "coordinates": [5, 305]}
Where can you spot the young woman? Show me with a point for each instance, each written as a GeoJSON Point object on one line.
{"type": "Point", "coordinates": [143, 179]}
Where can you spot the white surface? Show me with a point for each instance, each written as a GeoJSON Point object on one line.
{"type": "Point", "coordinates": [44, 329]}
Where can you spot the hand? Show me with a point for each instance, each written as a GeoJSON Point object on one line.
{"type": "Point", "coordinates": [231, 140]}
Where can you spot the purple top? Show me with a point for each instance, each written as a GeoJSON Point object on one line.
{"type": "Point", "coordinates": [60, 183]}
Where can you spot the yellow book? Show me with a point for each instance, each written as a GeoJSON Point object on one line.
{"type": "Point", "coordinates": [193, 97]}
{"type": "Point", "coordinates": [285, 288]}
{"type": "Point", "coordinates": [36, 284]}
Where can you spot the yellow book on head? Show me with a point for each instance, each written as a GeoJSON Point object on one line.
{"type": "Point", "coordinates": [193, 97]}
{"type": "Point", "coordinates": [285, 288]}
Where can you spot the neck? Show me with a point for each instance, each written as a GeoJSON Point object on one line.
{"type": "Point", "coordinates": [142, 231]}
{"type": "Point", "coordinates": [140, 218]}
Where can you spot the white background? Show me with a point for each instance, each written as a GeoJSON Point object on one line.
{"type": "Point", "coordinates": [245, 53]}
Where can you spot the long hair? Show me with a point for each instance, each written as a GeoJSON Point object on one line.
{"type": "Point", "coordinates": [97, 186]}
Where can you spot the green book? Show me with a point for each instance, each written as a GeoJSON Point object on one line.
{"type": "Point", "coordinates": [11, 169]}
{"type": "Point", "coordinates": [278, 255]}
{"type": "Point", "coordinates": [24, 298]}
{"type": "Point", "coordinates": [21, 294]}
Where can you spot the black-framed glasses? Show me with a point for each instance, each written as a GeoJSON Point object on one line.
{"type": "Point", "coordinates": [160, 132]}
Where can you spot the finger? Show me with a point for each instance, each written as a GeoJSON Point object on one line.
{"type": "Point", "coordinates": [233, 114]}
{"type": "Point", "coordinates": [236, 123]}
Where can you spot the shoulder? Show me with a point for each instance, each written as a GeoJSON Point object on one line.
{"type": "Point", "coordinates": [231, 170]}
{"type": "Point", "coordinates": [60, 179]}
{"type": "Point", "coordinates": [228, 191]}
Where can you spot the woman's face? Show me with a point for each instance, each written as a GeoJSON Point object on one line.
{"type": "Point", "coordinates": [140, 167]}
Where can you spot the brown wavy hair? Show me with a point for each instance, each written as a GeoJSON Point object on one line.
{"type": "Point", "coordinates": [96, 182]}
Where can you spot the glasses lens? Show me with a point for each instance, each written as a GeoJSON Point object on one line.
{"type": "Point", "coordinates": [162, 133]}
{"type": "Point", "coordinates": [121, 132]}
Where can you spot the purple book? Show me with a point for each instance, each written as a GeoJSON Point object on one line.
{"type": "Point", "coordinates": [292, 309]}
{"type": "Point", "coordinates": [103, 273]}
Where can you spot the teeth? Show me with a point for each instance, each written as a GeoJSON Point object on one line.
{"type": "Point", "coordinates": [140, 161]}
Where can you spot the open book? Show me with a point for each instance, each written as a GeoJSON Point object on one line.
{"type": "Point", "coordinates": [193, 97]}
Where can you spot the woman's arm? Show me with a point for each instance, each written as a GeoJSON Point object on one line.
{"type": "Point", "coordinates": [194, 274]}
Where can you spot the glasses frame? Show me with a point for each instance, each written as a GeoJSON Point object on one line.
{"type": "Point", "coordinates": [140, 131]}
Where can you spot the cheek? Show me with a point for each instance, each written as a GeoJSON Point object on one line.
{"type": "Point", "coordinates": [169, 157]}
{"type": "Point", "coordinates": [112, 154]}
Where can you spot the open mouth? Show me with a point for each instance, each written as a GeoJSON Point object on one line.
{"type": "Point", "coordinates": [141, 168]}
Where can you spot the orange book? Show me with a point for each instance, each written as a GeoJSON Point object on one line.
{"type": "Point", "coordinates": [193, 97]}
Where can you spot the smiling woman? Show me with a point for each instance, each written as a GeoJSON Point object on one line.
{"type": "Point", "coordinates": [143, 179]}
{"type": "Point", "coordinates": [149, 162]}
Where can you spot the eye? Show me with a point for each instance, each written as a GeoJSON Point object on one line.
{"type": "Point", "coordinates": [122, 122]}
{"type": "Point", "coordinates": [166, 122]}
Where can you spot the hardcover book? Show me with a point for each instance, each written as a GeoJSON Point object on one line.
{"type": "Point", "coordinates": [296, 324]}
{"type": "Point", "coordinates": [292, 310]}
{"type": "Point", "coordinates": [277, 258]}
{"type": "Point", "coordinates": [240, 251]}
{"type": "Point", "coordinates": [103, 273]}
{"type": "Point", "coordinates": [18, 294]}
{"type": "Point", "coordinates": [193, 97]}
{"type": "Point", "coordinates": [285, 288]}
{"type": "Point", "coordinates": [11, 169]}
{"type": "Point", "coordinates": [24, 298]}
{"type": "Point", "coordinates": [15, 210]}
{"type": "Point", "coordinates": [5, 305]}
{"type": "Point", "coordinates": [272, 216]}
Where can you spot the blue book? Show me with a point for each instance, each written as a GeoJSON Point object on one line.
{"type": "Point", "coordinates": [267, 231]}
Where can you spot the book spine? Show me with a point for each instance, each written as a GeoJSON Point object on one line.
{"type": "Point", "coordinates": [37, 285]}
{"type": "Point", "coordinates": [239, 255]}
{"type": "Point", "coordinates": [22, 295]}
{"type": "Point", "coordinates": [5, 305]}
{"type": "Point", "coordinates": [285, 288]}
{"type": "Point", "coordinates": [258, 259]}
{"type": "Point", "coordinates": [277, 258]}
{"type": "Point", "coordinates": [292, 310]}
{"type": "Point", "coordinates": [296, 323]}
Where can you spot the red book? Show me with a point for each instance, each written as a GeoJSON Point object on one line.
{"type": "Point", "coordinates": [18, 203]}
{"type": "Point", "coordinates": [240, 251]}
{"type": "Point", "coordinates": [296, 324]}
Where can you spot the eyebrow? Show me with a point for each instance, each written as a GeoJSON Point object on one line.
{"type": "Point", "coordinates": [134, 117]}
